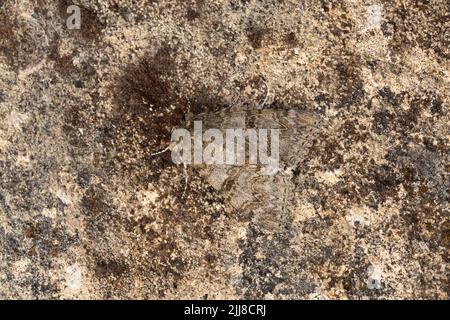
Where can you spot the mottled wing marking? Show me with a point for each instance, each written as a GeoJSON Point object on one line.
{"type": "Point", "coordinates": [264, 199]}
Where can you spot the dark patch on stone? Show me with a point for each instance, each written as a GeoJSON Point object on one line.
{"type": "Point", "coordinates": [291, 40]}
{"type": "Point", "coordinates": [350, 85]}
{"type": "Point", "coordinates": [84, 179]}
{"type": "Point", "coordinates": [385, 183]}
{"type": "Point", "coordinates": [12, 245]}
{"type": "Point", "coordinates": [435, 108]}
{"type": "Point", "coordinates": [105, 268]}
{"type": "Point", "coordinates": [388, 28]}
{"type": "Point", "coordinates": [78, 83]}
{"type": "Point", "coordinates": [192, 14]}
{"type": "Point", "coordinates": [382, 121]}
{"type": "Point", "coordinates": [372, 64]}
{"type": "Point", "coordinates": [48, 239]}
{"type": "Point", "coordinates": [97, 212]}
{"type": "Point", "coordinates": [256, 36]}
{"type": "Point", "coordinates": [42, 286]}
{"type": "Point", "coordinates": [353, 132]}
{"type": "Point", "coordinates": [323, 102]}
{"type": "Point", "coordinates": [238, 4]}
{"type": "Point", "coordinates": [390, 96]}
{"type": "Point", "coordinates": [329, 151]}
{"type": "Point", "coordinates": [262, 275]}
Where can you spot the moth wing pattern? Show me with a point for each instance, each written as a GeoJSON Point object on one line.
{"type": "Point", "coordinates": [264, 199]}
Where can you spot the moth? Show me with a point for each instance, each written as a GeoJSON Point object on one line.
{"type": "Point", "coordinates": [262, 198]}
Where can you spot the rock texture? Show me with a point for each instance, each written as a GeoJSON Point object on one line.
{"type": "Point", "coordinates": [86, 211]}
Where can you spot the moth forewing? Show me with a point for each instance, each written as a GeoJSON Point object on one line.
{"type": "Point", "coordinates": [262, 190]}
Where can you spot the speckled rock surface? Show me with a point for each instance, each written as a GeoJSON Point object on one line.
{"type": "Point", "coordinates": [87, 212]}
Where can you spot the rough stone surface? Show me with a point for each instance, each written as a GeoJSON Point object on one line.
{"type": "Point", "coordinates": [87, 212]}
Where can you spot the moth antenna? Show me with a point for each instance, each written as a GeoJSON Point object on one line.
{"type": "Point", "coordinates": [159, 152]}
{"type": "Point", "coordinates": [170, 147]}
